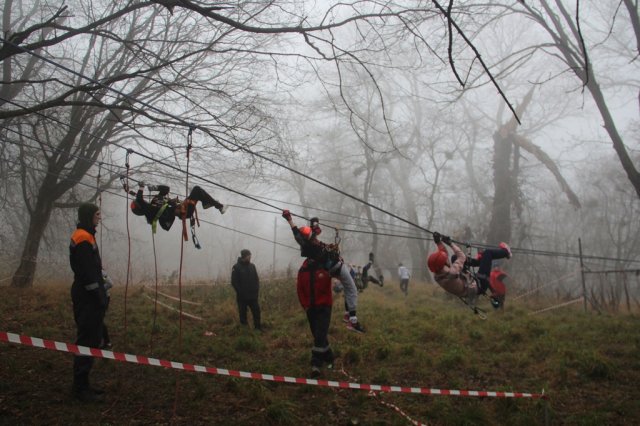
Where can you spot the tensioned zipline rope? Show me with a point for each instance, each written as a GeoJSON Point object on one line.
{"type": "Point", "coordinates": [514, 249]}
{"type": "Point", "coordinates": [204, 129]}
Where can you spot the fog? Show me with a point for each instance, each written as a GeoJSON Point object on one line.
{"type": "Point", "coordinates": [366, 127]}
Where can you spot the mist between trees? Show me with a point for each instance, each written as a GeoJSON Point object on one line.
{"type": "Point", "coordinates": [514, 122]}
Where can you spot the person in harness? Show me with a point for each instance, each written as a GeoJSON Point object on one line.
{"type": "Point", "coordinates": [163, 210]}
{"type": "Point", "coordinates": [455, 276]}
{"type": "Point", "coordinates": [327, 257]}
{"type": "Point", "coordinates": [366, 278]}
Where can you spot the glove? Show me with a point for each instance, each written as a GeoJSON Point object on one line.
{"type": "Point", "coordinates": [141, 184]}
{"type": "Point", "coordinates": [286, 214]}
{"type": "Point", "coordinates": [437, 237]}
{"type": "Point", "coordinates": [446, 239]}
{"type": "Point", "coordinates": [314, 221]}
{"type": "Point", "coordinates": [107, 281]}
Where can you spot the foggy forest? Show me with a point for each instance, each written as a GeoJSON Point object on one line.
{"type": "Point", "coordinates": [514, 121]}
{"type": "Point", "coordinates": [502, 121]}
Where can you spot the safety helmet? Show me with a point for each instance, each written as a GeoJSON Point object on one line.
{"type": "Point", "coordinates": [437, 260]}
{"type": "Point", "coordinates": [136, 208]}
{"type": "Point", "coordinates": [306, 232]}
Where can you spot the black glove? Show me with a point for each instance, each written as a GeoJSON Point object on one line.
{"type": "Point", "coordinates": [286, 214]}
{"type": "Point", "coordinates": [446, 239]}
{"type": "Point", "coordinates": [436, 237]}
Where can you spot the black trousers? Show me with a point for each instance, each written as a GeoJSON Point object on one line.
{"type": "Point", "coordinates": [404, 285]}
{"type": "Point", "coordinates": [89, 317]}
{"type": "Point", "coordinates": [484, 265]}
{"type": "Point", "coordinates": [319, 318]}
{"type": "Point", "coordinates": [252, 304]}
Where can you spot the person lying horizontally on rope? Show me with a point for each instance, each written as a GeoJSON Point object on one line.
{"type": "Point", "coordinates": [163, 210]}
{"type": "Point", "coordinates": [452, 275]}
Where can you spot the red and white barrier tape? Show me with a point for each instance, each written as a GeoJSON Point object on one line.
{"type": "Point", "coordinates": [139, 359]}
{"type": "Point", "coordinates": [397, 410]}
{"type": "Point", "coordinates": [376, 396]}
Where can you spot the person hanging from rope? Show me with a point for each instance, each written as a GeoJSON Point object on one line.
{"type": "Point", "coordinates": [366, 278]}
{"type": "Point", "coordinates": [162, 209]}
{"type": "Point", "coordinates": [327, 257]}
{"type": "Point", "coordinates": [455, 278]}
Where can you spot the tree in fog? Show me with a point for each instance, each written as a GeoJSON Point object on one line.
{"type": "Point", "coordinates": [598, 43]}
{"type": "Point", "coordinates": [156, 69]}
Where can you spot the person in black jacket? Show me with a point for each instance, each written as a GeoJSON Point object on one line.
{"type": "Point", "coordinates": [163, 210]}
{"type": "Point", "coordinates": [89, 298]}
{"type": "Point", "coordinates": [245, 281]}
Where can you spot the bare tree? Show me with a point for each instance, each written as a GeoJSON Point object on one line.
{"type": "Point", "coordinates": [582, 50]}
{"type": "Point", "coordinates": [110, 70]}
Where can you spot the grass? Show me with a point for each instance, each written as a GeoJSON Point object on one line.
{"type": "Point", "coordinates": [587, 364]}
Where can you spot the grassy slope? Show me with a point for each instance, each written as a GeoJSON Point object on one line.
{"type": "Point", "coordinates": [587, 364]}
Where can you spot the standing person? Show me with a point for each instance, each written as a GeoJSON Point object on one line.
{"type": "Point", "coordinates": [403, 272]}
{"type": "Point", "coordinates": [89, 298]}
{"type": "Point", "coordinates": [327, 257]}
{"type": "Point", "coordinates": [245, 281]}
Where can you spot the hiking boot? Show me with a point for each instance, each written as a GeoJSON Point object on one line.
{"type": "Point", "coordinates": [88, 395]}
{"type": "Point", "coordinates": [223, 209]}
{"type": "Point", "coordinates": [506, 247]}
{"type": "Point", "coordinates": [495, 302]}
{"type": "Point", "coordinates": [355, 326]}
{"type": "Point", "coordinates": [315, 372]}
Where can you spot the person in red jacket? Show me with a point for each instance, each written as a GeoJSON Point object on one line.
{"type": "Point", "coordinates": [452, 275]}
{"type": "Point", "coordinates": [89, 298]}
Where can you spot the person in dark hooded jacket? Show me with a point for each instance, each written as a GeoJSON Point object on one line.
{"type": "Point", "coordinates": [246, 283]}
{"type": "Point", "coordinates": [89, 298]}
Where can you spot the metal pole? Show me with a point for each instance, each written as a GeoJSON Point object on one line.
{"type": "Point", "coordinates": [584, 285]}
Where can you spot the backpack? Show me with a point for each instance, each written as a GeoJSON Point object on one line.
{"type": "Point", "coordinates": [314, 285]}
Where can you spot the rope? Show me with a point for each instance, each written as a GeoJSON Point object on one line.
{"type": "Point", "coordinates": [155, 305]}
{"type": "Point", "coordinates": [545, 285]}
{"type": "Point", "coordinates": [253, 198]}
{"type": "Point", "coordinates": [126, 286]}
{"type": "Point", "coordinates": [579, 299]}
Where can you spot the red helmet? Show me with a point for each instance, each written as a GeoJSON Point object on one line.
{"type": "Point", "coordinates": [136, 208]}
{"type": "Point", "coordinates": [437, 260]}
{"type": "Point", "coordinates": [306, 232]}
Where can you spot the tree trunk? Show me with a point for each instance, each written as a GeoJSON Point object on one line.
{"type": "Point", "coordinates": [618, 144]}
{"type": "Point", "coordinates": [500, 224]}
{"type": "Point", "coordinates": [23, 277]}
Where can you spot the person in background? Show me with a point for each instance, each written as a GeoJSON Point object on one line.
{"type": "Point", "coordinates": [366, 278]}
{"type": "Point", "coordinates": [246, 283]}
{"type": "Point", "coordinates": [89, 298]}
{"type": "Point", "coordinates": [403, 272]}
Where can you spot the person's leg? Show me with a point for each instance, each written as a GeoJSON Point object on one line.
{"type": "Point", "coordinates": [242, 310]}
{"type": "Point", "coordinates": [199, 194]}
{"type": "Point", "coordinates": [350, 291]}
{"type": "Point", "coordinates": [89, 321]}
{"type": "Point", "coordinates": [316, 351]}
{"type": "Point", "coordinates": [255, 313]}
{"type": "Point", "coordinates": [484, 269]}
